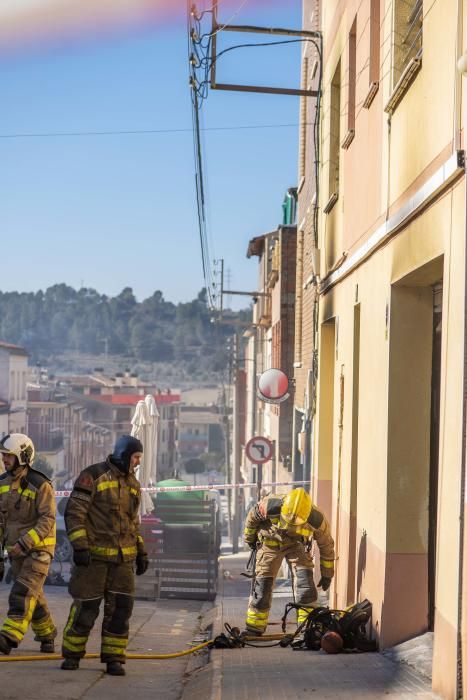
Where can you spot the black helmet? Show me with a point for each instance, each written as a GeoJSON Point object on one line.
{"type": "Point", "coordinates": [125, 446]}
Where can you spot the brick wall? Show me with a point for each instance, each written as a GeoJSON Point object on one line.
{"type": "Point", "coordinates": [287, 282]}
{"type": "Point", "coordinates": [305, 291]}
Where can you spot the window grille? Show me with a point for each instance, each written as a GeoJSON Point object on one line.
{"type": "Point", "coordinates": [408, 36]}
{"type": "Point", "coordinates": [352, 86]}
{"type": "Point", "coordinates": [334, 140]}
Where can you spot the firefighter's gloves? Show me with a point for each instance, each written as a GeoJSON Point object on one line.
{"type": "Point", "coordinates": [2, 568]}
{"type": "Point", "coordinates": [142, 563]}
{"type": "Point", "coordinates": [324, 583]}
{"type": "Point", "coordinates": [17, 551]}
{"type": "Point", "coordinates": [251, 544]}
{"type": "Point", "coordinates": [81, 557]}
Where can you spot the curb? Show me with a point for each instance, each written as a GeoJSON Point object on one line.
{"type": "Point", "coordinates": [204, 681]}
{"type": "Point", "coordinates": [216, 659]}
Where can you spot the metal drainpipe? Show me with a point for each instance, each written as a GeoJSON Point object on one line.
{"type": "Point", "coordinates": [462, 638]}
{"type": "Point", "coordinates": [462, 611]}
{"type": "Point", "coordinates": [293, 456]}
{"type": "Point", "coordinates": [339, 477]}
{"type": "Point", "coordinates": [462, 652]}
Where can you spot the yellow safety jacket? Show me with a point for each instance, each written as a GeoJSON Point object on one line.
{"type": "Point", "coordinates": [102, 513]}
{"type": "Point", "coordinates": [263, 524]}
{"type": "Point", "coordinates": [27, 511]}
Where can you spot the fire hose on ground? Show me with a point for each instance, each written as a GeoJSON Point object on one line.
{"type": "Point", "coordinates": [58, 657]}
{"type": "Point", "coordinates": [211, 643]}
{"type": "Point", "coordinates": [330, 630]}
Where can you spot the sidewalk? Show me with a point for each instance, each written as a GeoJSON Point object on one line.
{"type": "Point", "coordinates": [284, 674]}
{"type": "Point", "coordinates": [156, 627]}
{"type": "Point", "coordinates": [234, 674]}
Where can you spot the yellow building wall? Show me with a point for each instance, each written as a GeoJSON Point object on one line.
{"type": "Point", "coordinates": [428, 238]}
{"type": "Point", "coordinates": [390, 154]}
{"type": "Point", "coordinates": [423, 123]}
{"type": "Point", "coordinates": [372, 425]}
{"type": "Point", "coordinates": [390, 158]}
{"type": "Point", "coordinates": [447, 595]}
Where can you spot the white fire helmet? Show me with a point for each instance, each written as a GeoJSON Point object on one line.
{"type": "Point", "coordinates": [20, 445]}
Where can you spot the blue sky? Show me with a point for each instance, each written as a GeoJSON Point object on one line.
{"type": "Point", "coordinates": [119, 210]}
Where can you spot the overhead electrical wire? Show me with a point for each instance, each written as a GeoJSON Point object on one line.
{"type": "Point", "coordinates": [195, 58]}
{"type": "Point", "coordinates": [229, 21]}
{"type": "Point", "coordinates": [132, 132]}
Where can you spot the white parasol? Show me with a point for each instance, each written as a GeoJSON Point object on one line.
{"type": "Point", "coordinates": [145, 427]}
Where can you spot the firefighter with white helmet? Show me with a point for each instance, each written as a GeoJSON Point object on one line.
{"type": "Point", "coordinates": [284, 527]}
{"type": "Point", "coordinates": [27, 533]}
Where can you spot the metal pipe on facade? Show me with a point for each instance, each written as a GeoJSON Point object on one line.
{"type": "Point", "coordinates": [253, 384]}
{"type": "Point", "coordinates": [462, 613]}
{"type": "Point", "coordinates": [462, 610]}
{"type": "Point", "coordinates": [273, 462]}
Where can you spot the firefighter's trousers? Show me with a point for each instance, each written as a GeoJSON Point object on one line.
{"type": "Point", "coordinates": [26, 602]}
{"type": "Point", "coordinates": [268, 562]}
{"type": "Point", "coordinates": [89, 585]}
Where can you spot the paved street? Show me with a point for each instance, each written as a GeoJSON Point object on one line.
{"type": "Point", "coordinates": [163, 627]}
{"type": "Point", "coordinates": [284, 674]}
{"type": "Point", "coordinates": [233, 674]}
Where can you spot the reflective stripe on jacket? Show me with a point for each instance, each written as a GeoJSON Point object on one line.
{"type": "Point", "coordinates": [102, 513]}
{"type": "Point", "coordinates": [27, 511]}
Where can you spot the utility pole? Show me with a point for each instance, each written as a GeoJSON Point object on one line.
{"type": "Point", "coordinates": [221, 300]}
{"type": "Point", "coordinates": [236, 446]}
{"type": "Point", "coordinates": [227, 451]}
{"type": "Point", "coordinates": [106, 350]}
{"type": "Point", "coordinates": [218, 273]}
{"type": "Point", "coordinates": [273, 462]}
{"type": "Point", "coordinates": [227, 459]}
{"type": "Point", "coordinates": [228, 301]}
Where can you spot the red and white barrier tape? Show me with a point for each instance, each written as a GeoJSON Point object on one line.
{"type": "Point", "coordinates": [207, 487]}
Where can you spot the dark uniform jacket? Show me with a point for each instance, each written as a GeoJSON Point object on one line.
{"type": "Point", "coordinates": [102, 513]}
{"type": "Point", "coordinates": [263, 523]}
{"type": "Point", "coordinates": [27, 511]}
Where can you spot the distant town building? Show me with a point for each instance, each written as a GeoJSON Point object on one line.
{"type": "Point", "coordinates": [62, 433]}
{"type": "Point", "coordinates": [200, 432]}
{"type": "Point", "coordinates": [270, 343]}
{"type": "Point", "coordinates": [13, 377]}
{"type": "Point", "coordinates": [4, 413]}
{"type": "Point", "coordinates": [110, 402]}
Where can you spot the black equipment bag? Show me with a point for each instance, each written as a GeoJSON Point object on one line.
{"type": "Point", "coordinates": [350, 624]}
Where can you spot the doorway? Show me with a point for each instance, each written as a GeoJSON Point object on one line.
{"type": "Point", "coordinates": [415, 333]}
{"type": "Point", "coordinates": [325, 451]}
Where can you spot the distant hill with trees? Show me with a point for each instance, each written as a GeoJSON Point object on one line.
{"type": "Point", "coordinates": [63, 319]}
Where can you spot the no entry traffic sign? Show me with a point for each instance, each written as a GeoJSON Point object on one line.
{"type": "Point", "coordinates": [259, 449]}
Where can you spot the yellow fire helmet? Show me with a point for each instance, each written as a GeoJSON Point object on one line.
{"type": "Point", "coordinates": [296, 507]}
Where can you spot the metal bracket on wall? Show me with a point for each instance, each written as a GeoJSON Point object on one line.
{"type": "Point", "coordinates": [274, 31]}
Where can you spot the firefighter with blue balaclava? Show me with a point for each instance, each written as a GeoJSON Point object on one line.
{"type": "Point", "coordinates": [102, 521]}
{"type": "Point", "coordinates": [284, 527]}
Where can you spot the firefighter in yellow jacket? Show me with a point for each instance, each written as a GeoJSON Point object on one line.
{"type": "Point", "coordinates": [284, 527]}
{"type": "Point", "coordinates": [27, 533]}
{"type": "Point", "coordinates": [102, 522]}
